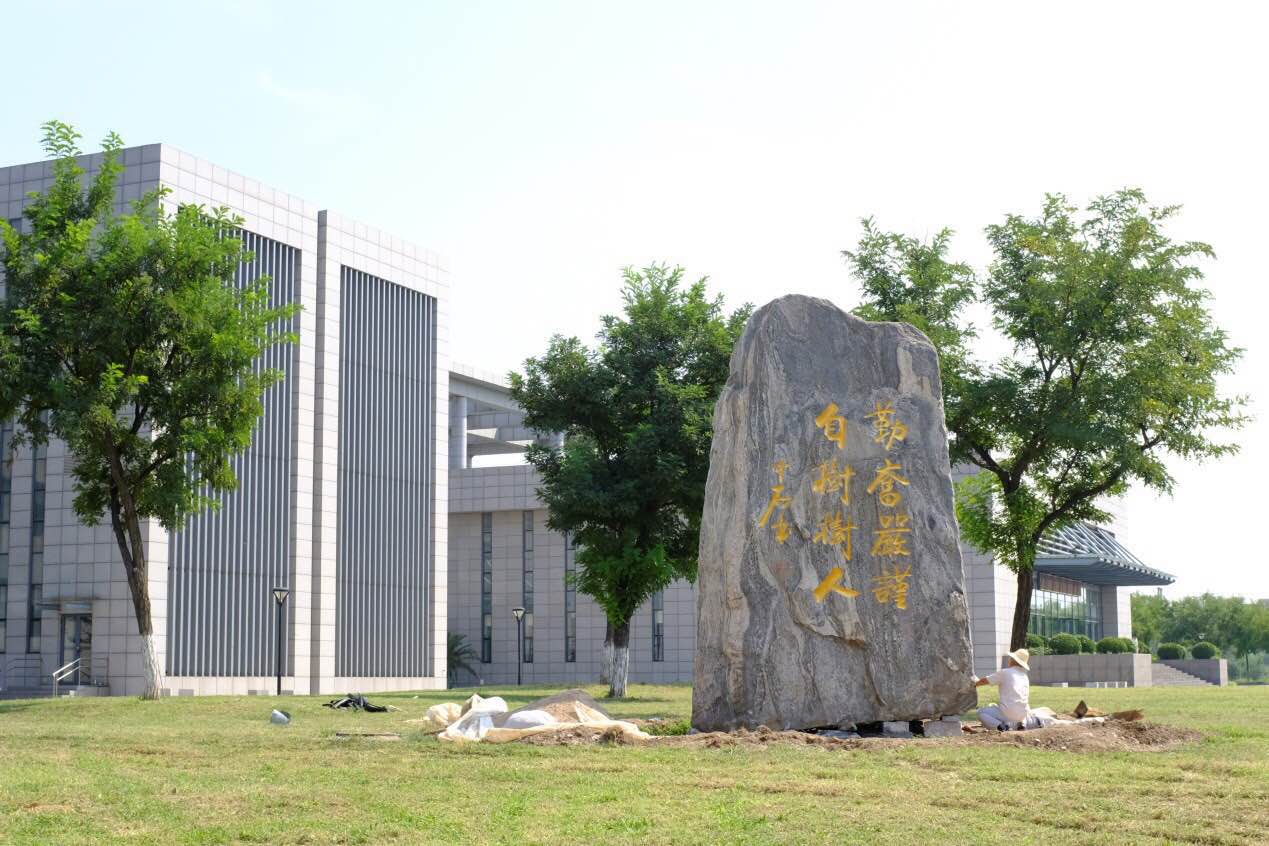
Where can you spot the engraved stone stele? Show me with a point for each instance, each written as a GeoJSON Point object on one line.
{"type": "Point", "coordinates": [830, 586]}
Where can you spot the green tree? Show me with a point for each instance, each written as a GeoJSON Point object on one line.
{"type": "Point", "coordinates": [126, 337]}
{"type": "Point", "coordinates": [1113, 365]}
{"type": "Point", "coordinates": [1251, 634]}
{"type": "Point", "coordinates": [637, 415]}
{"type": "Point", "coordinates": [1223, 620]}
{"type": "Point", "coordinates": [1149, 615]}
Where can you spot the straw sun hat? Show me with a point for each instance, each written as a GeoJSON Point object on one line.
{"type": "Point", "coordinates": [1021, 656]}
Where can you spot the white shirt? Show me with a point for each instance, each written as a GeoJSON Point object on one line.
{"type": "Point", "coordinates": [1015, 692]}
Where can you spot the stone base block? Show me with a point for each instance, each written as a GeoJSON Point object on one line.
{"type": "Point", "coordinates": [946, 727]}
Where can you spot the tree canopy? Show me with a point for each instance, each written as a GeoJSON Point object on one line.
{"type": "Point", "coordinates": [126, 336]}
{"type": "Point", "coordinates": [1113, 365]}
{"type": "Point", "coordinates": [636, 412]}
{"type": "Point", "coordinates": [1237, 626]}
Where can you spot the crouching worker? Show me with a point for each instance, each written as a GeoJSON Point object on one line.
{"type": "Point", "coordinates": [1015, 694]}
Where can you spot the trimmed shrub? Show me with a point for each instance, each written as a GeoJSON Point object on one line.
{"type": "Point", "coordinates": [1115, 645]}
{"type": "Point", "coordinates": [1171, 651]}
{"type": "Point", "coordinates": [1038, 644]}
{"type": "Point", "coordinates": [1064, 644]}
{"type": "Point", "coordinates": [1205, 649]}
{"type": "Point", "coordinates": [1087, 645]}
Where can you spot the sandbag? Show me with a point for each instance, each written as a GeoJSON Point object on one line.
{"type": "Point", "coordinates": [488, 721]}
{"type": "Point", "coordinates": [476, 720]}
{"type": "Point", "coordinates": [526, 719]}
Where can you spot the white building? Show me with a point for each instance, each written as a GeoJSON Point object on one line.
{"type": "Point", "coordinates": [341, 499]}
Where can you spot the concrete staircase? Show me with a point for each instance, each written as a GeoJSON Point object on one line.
{"type": "Point", "coordinates": [1164, 676]}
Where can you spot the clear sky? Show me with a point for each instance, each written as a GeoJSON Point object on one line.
{"type": "Point", "coordinates": [542, 146]}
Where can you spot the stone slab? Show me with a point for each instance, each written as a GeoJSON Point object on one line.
{"type": "Point", "coordinates": [946, 727]}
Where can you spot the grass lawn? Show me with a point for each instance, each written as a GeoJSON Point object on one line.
{"type": "Point", "coordinates": [213, 770]}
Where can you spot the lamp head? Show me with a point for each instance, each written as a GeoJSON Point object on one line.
{"type": "Point", "coordinates": [280, 594]}
{"type": "Point", "coordinates": [518, 613]}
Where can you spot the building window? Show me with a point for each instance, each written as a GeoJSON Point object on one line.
{"type": "Point", "coordinates": [570, 599]}
{"type": "Point", "coordinates": [527, 585]}
{"type": "Point", "coordinates": [486, 588]}
{"type": "Point", "coordinates": [6, 494]}
{"type": "Point", "coordinates": [35, 594]}
{"type": "Point", "coordinates": [1061, 605]}
{"type": "Point", "coordinates": [658, 626]}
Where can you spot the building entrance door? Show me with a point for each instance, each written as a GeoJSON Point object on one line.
{"type": "Point", "coordinates": [77, 643]}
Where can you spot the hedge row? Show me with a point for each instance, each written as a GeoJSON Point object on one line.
{"type": "Point", "coordinates": [1070, 644]}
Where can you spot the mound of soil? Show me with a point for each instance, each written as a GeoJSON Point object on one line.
{"type": "Point", "coordinates": [1110, 736]}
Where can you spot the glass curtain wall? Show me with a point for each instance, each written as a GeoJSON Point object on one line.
{"type": "Point", "coordinates": [1061, 605]}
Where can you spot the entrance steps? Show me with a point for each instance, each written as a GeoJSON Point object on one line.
{"type": "Point", "coordinates": [1164, 676]}
{"type": "Point", "coordinates": [47, 691]}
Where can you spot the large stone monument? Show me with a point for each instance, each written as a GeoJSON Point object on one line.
{"type": "Point", "coordinates": [830, 587]}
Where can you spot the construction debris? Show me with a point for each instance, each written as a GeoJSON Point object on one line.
{"type": "Point", "coordinates": [1082, 710]}
{"type": "Point", "coordinates": [489, 721]}
{"type": "Point", "coordinates": [358, 703]}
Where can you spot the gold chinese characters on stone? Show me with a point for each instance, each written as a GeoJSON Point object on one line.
{"type": "Point", "coordinates": [886, 428]}
{"type": "Point", "coordinates": [777, 505]}
{"type": "Point", "coordinates": [832, 583]}
{"type": "Point", "coordinates": [833, 424]}
{"type": "Point", "coordinates": [883, 484]}
{"type": "Point", "coordinates": [834, 531]}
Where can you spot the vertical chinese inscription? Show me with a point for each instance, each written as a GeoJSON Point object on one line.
{"type": "Point", "coordinates": [835, 528]}
{"type": "Point", "coordinates": [777, 505]}
{"type": "Point", "coordinates": [890, 540]}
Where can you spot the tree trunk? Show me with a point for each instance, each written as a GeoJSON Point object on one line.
{"type": "Point", "coordinates": [1022, 608]}
{"type": "Point", "coordinates": [127, 528]}
{"type": "Point", "coordinates": [605, 660]}
{"type": "Point", "coordinates": [620, 661]}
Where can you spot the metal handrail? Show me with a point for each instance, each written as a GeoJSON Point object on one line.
{"type": "Point", "coordinates": [70, 668]}
{"type": "Point", "coordinates": [98, 671]}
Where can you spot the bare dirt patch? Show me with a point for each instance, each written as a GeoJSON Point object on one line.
{"type": "Point", "coordinates": [1110, 736]}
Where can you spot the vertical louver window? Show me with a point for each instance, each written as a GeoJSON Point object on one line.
{"type": "Point", "coordinates": [527, 584]}
{"type": "Point", "coordinates": [225, 562]}
{"type": "Point", "coordinates": [486, 588]}
{"type": "Point", "coordinates": [570, 599]}
{"type": "Point", "coordinates": [387, 386]}
{"type": "Point", "coordinates": [35, 594]}
{"type": "Point", "coordinates": [658, 626]}
{"type": "Point", "coordinates": [6, 498]}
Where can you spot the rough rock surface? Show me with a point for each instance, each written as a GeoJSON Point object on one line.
{"type": "Point", "coordinates": [825, 602]}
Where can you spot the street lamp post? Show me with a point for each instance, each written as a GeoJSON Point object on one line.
{"type": "Point", "coordinates": [518, 613]}
{"type": "Point", "coordinates": [279, 596]}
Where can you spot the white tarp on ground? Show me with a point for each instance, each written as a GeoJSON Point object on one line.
{"type": "Point", "coordinates": [489, 721]}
